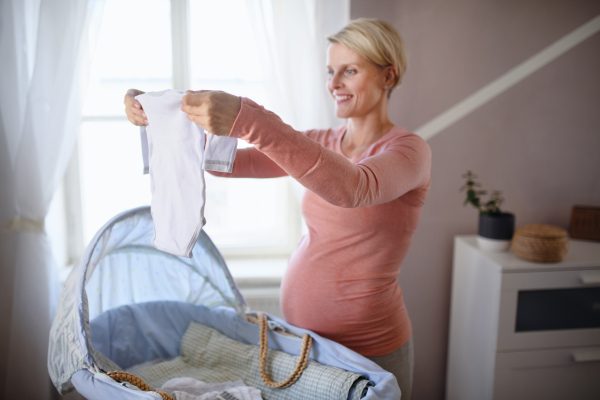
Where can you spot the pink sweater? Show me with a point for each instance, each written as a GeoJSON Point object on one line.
{"type": "Point", "coordinates": [361, 213]}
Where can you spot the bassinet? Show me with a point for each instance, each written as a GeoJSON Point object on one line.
{"type": "Point", "coordinates": [141, 300]}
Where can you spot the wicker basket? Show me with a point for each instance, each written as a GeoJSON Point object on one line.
{"type": "Point", "coordinates": [540, 243]}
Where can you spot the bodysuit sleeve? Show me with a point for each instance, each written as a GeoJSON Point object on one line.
{"type": "Point", "coordinates": [251, 163]}
{"type": "Point", "coordinates": [402, 166]}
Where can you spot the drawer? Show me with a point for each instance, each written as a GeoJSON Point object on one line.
{"type": "Point", "coordinates": [548, 374]}
{"type": "Point", "coordinates": [549, 309]}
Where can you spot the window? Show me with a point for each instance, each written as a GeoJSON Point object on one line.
{"type": "Point", "coordinates": [140, 46]}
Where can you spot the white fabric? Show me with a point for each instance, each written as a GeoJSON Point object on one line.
{"type": "Point", "coordinates": [192, 389]}
{"type": "Point", "coordinates": [144, 140]}
{"type": "Point", "coordinates": [43, 47]}
{"type": "Point", "coordinates": [176, 159]}
{"type": "Point", "coordinates": [291, 39]}
{"type": "Point", "coordinates": [175, 148]}
{"type": "Point", "coordinates": [219, 154]}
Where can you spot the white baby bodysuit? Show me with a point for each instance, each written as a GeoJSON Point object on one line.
{"type": "Point", "coordinates": [174, 155]}
{"type": "Point", "coordinates": [219, 153]}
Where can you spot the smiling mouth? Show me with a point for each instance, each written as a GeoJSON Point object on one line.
{"type": "Point", "coordinates": [342, 98]}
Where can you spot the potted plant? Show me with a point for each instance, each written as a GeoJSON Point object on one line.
{"type": "Point", "coordinates": [496, 228]}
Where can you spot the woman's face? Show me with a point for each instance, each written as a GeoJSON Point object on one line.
{"type": "Point", "coordinates": [356, 84]}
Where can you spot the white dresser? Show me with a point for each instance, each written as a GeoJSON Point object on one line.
{"type": "Point", "coordinates": [523, 330]}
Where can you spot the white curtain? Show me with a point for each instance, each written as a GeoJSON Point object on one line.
{"type": "Point", "coordinates": [291, 37]}
{"type": "Point", "coordinates": [45, 48]}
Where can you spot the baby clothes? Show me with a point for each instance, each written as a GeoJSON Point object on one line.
{"type": "Point", "coordinates": [174, 158]}
{"type": "Point", "coordinates": [219, 153]}
{"type": "Point", "coordinates": [192, 389]}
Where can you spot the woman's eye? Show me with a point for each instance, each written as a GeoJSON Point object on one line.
{"type": "Point", "coordinates": [350, 71]}
{"type": "Point", "coordinates": [329, 73]}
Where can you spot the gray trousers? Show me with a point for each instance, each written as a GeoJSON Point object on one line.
{"type": "Point", "coordinates": [401, 363]}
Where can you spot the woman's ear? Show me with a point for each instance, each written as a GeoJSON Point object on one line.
{"type": "Point", "coordinates": [390, 75]}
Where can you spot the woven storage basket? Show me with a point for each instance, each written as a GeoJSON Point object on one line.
{"type": "Point", "coordinates": [540, 243]}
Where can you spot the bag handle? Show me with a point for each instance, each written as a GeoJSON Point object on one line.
{"type": "Point", "coordinates": [120, 376]}
{"type": "Point", "coordinates": [264, 347]}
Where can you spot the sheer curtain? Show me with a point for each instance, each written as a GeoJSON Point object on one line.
{"type": "Point", "coordinates": [45, 46]}
{"type": "Point", "coordinates": [292, 41]}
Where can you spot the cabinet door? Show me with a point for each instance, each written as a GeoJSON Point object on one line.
{"type": "Point", "coordinates": [572, 374]}
{"type": "Point", "coordinates": [549, 309]}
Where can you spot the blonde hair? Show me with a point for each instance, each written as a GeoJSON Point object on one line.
{"type": "Point", "coordinates": [376, 41]}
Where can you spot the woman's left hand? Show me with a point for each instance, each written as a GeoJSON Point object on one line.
{"type": "Point", "coordinates": [214, 111]}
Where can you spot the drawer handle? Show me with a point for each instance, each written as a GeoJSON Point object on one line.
{"type": "Point", "coordinates": [591, 278]}
{"type": "Point", "coordinates": [586, 355]}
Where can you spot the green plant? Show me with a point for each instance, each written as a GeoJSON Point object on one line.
{"type": "Point", "coordinates": [492, 206]}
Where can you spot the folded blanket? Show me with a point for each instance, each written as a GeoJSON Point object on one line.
{"type": "Point", "coordinates": [209, 356]}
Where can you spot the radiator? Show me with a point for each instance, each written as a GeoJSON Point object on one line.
{"type": "Point", "coordinates": [263, 299]}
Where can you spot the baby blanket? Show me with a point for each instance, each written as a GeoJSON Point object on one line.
{"type": "Point", "coordinates": [209, 356]}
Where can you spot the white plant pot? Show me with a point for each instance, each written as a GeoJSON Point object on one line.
{"type": "Point", "coordinates": [493, 244]}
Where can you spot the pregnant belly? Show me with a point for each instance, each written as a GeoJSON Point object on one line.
{"type": "Point", "coordinates": [351, 311]}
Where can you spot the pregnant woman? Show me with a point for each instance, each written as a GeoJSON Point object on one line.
{"type": "Point", "coordinates": [366, 185]}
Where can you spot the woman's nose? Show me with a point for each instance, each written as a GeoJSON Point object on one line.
{"type": "Point", "coordinates": [335, 82]}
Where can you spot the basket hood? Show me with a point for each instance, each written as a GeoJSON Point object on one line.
{"type": "Point", "coordinates": [120, 266]}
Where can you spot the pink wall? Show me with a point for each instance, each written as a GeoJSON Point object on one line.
{"type": "Point", "coordinates": [538, 142]}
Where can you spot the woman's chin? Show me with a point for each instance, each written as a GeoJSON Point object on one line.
{"type": "Point", "coordinates": [342, 114]}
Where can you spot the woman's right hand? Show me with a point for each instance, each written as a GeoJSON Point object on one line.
{"type": "Point", "coordinates": [133, 108]}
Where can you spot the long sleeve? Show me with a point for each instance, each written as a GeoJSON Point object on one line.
{"type": "Point", "coordinates": [402, 166]}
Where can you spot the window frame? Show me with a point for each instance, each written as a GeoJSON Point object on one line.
{"type": "Point", "coordinates": [181, 76]}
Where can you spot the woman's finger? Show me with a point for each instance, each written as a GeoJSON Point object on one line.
{"type": "Point", "coordinates": [215, 111]}
{"type": "Point", "coordinates": [194, 118]}
{"type": "Point", "coordinates": [137, 114]}
{"type": "Point", "coordinates": [198, 98]}
{"type": "Point", "coordinates": [133, 103]}
{"type": "Point", "coordinates": [143, 120]}
{"type": "Point", "coordinates": [199, 120]}
{"type": "Point", "coordinates": [133, 108]}
{"type": "Point", "coordinates": [130, 98]}
{"type": "Point", "coordinates": [136, 119]}
{"type": "Point", "coordinates": [141, 116]}
{"type": "Point", "coordinates": [193, 109]}
{"type": "Point", "coordinates": [137, 111]}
